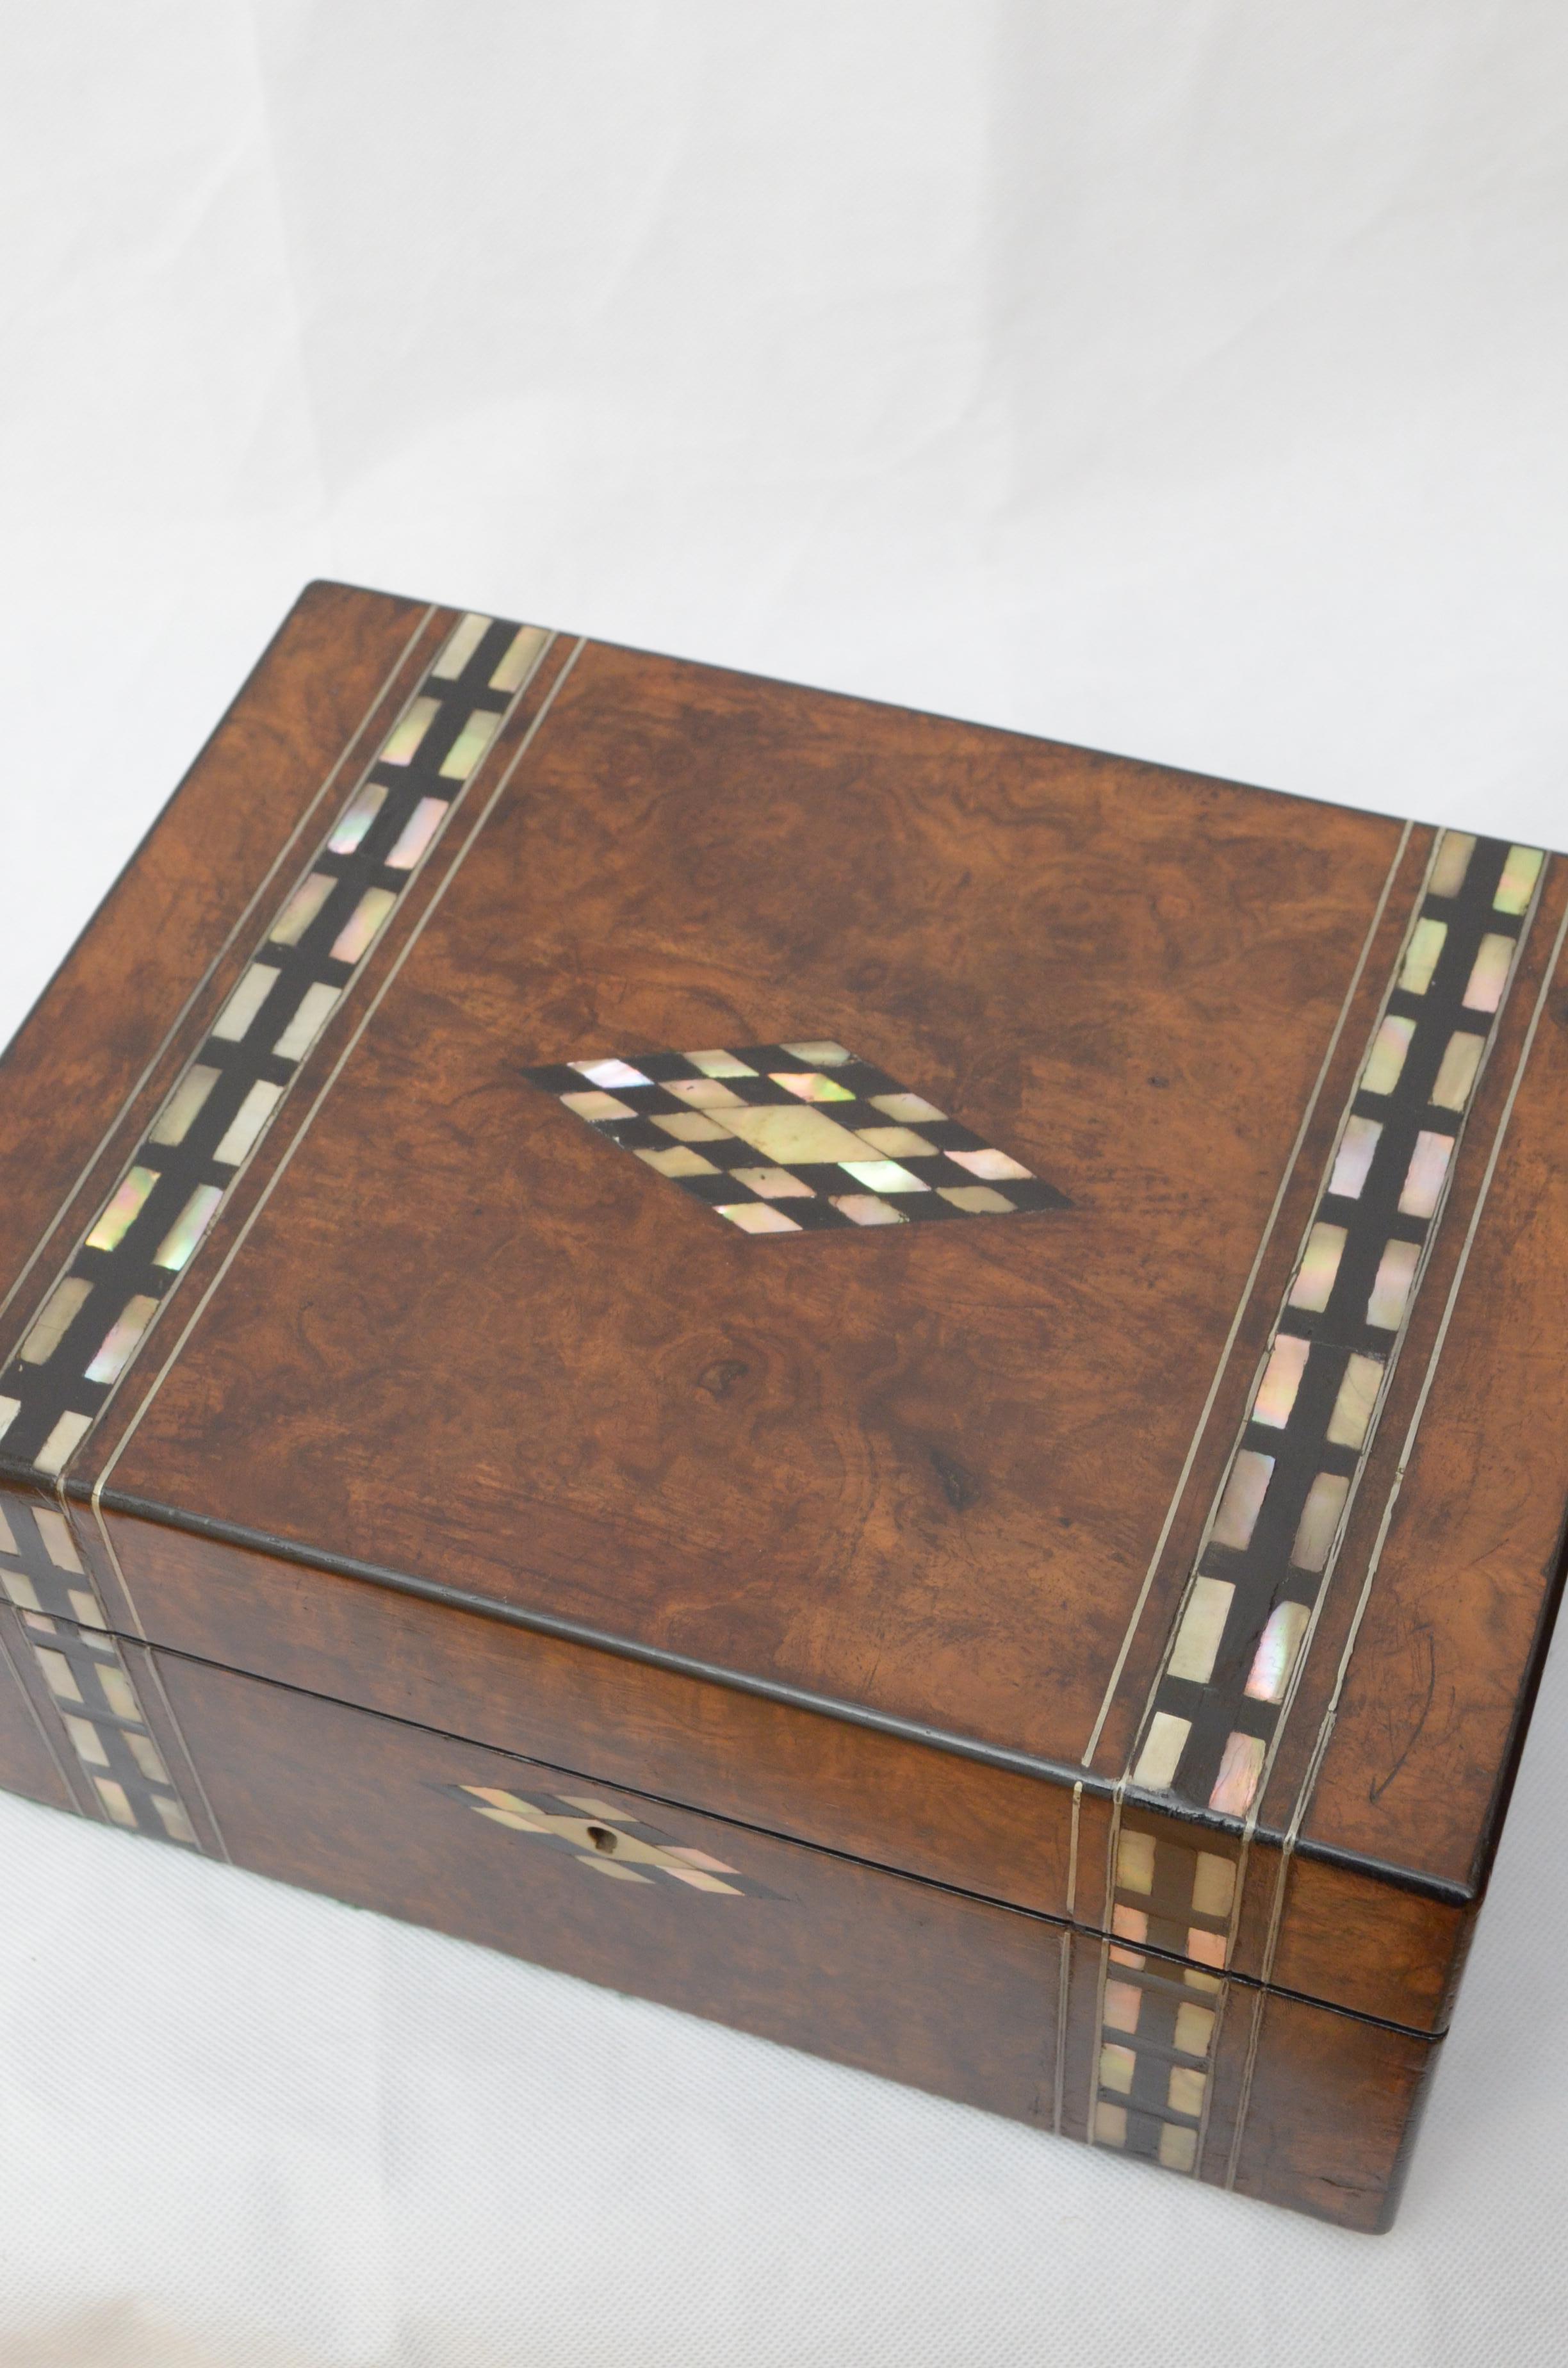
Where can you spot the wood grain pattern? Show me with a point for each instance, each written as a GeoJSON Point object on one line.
{"type": "Point", "coordinates": [846, 1960]}
{"type": "Point", "coordinates": [870, 1468]}
{"type": "Point", "coordinates": [445, 1340]}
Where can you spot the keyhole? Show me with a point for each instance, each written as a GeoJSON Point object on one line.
{"type": "Point", "coordinates": [602, 1837]}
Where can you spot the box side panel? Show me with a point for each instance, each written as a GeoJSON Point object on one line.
{"type": "Point", "coordinates": [1329, 2114]}
{"type": "Point", "coordinates": [898, 1977]}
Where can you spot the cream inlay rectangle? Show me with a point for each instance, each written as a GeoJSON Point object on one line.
{"type": "Point", "coordinates": [470, 745]}
{"type": "Point", "coordinates": [304, 906]}
{"type": "Point", "coordinates": [1520, 873]}
{"type": "Point", "coordinates": [115, 1350]}
{"type": "Point", "coordinates": [1424, 1180]}
{"type": "Point", "coordinates": [351, 831]}
{"type": "Point", "coordinates": [1358, 1396]}
{"type": "Point", "coordinates": [58, 1542]}
{"type": "Point", "coordinates": [1135, 1861]}
{"type": "Point", "coordinates": [181, 1242]}
{"type": "Point", "coordinates": [1313, 1286]}
{"type": "Point", "coordinates": [791, 1135]}
{"type": "Point", "coordinates": [54, 1319]}
{"type": "Point", "coordinates": [757, 1217]}
{"type": "Point", "coordinates": [358, 933]}
{"type": "Point", "coordinates": [183, 1107]}
{"type": "Point", "coordinates": [1354, 1158]}
{"type": "Point", "coordinates": [1161, 1751]}
{"type": "Point", "coordinates": [1281, 1380]}
{"type": "Point", "coordinates": [1456, 1071]}
{"type": "Point", "coordinates": [403, 742]}
{"type": "Point", "coordinates": [1246, 1488]}
{"type": "Point", "coordinates": [1451, 862]}
{"type": "Point", "coordinates": [122, 1211]}
{"type": "Point", "coordinates": [1428, 940]}
{"type": "Point", "coordinates": [417, 833]}
{"type": "Point", "coordinates": [1237, 1781]}
{"type": "Point", "coordinates": [1385, 1062]}
{"type": "Point", "coordinates": [527, 646]}
{"type": "Point", "coordinates": [461, 643]}
{"type": "Point", "coordinates": [1320, 1520]}
{"type": "Point", "coordinates": [1489, 974]}
{"type": "Point", "coordinates": [1201, 1630]}
{"type": "Point", "coordinates": [316, 1006]}
{"type": "Point", "coordinates": [1391, 1287]}
{"type": "Point", "coordinates": [240, 1135]}
{"type": "Point", "coordinates": [1214, 1883]}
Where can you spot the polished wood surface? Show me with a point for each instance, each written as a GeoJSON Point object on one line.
{"type": "Point", "coordinates": [866, 1544]}
{"type": "Point", "coordinates": [911, 1980]}
{"type": "Point", "coordinates": [872, 1466]}
{"type": "Point", "coordinates": [1349, 1937]}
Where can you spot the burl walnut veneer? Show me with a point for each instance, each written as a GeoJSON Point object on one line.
{"type": "Point", "coordinates": [886, 1380]}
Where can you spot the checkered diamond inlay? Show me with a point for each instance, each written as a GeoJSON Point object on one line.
{"type": "Point", "coordinates": [795, 1138]}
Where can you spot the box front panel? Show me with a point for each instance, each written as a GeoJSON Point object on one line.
{"type": "Point", "coordinates": [1138, 2052]}
{"type": "Point", "coordinates": [898, 1977]}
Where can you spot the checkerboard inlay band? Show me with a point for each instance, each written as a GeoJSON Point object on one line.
{"type": "Point", "coordinates": [101, 1307]}
{"type": "Point", "coordinates": [1247, 1619]}
{"type": "Point", "coordinates": [607, 1840]}
{"type": "Point", "coordinates": [795, 1138]}
{"type": "Point", "coordinates": [87, 1674]}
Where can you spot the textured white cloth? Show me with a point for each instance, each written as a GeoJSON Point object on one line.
{"type": "Point", "coordinates": [1181, 376]}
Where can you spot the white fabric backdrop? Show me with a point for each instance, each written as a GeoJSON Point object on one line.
{"type": "Point", "coordinates": [1181, 376]}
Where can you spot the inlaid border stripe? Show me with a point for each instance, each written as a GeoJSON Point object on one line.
{"type": "Point", "coordinates": [1268, 1558]}
{"type": "Point", "coordinates": [50, 1743]}
{"type": "Point", "coordinates": [1265, 1239]}
{"type": "Point", "coordinates": [105, 1301]}
{"type": "Point", "coordinates": [1385, 1188]}
{"type": "Point", "coordinates": [1407, 1449]}
{"type": "Point", "coordinates": [87, 1678]}
{"type": "Point", "coordinates": [393, 971]}
{"type": "Point", "coordinates": [205, 981]}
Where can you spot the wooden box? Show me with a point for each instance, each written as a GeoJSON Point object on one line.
{"type": "Point", "coordinates": [892, 1382]}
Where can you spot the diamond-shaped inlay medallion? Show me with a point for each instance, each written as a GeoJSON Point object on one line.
{"type": "Point", "coordinates": [795, 1138]}
{"type": "Point", "coordinates": [608, 1840]}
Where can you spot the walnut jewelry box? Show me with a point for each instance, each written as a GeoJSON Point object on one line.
{"type": "Point", "coordinates": [888, 1382]}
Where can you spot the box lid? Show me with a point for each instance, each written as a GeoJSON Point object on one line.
{"type": "Point", "coordinates": [1044, 1255]}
